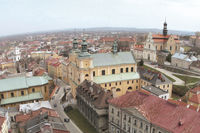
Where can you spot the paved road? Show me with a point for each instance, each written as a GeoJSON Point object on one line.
{"type": "Point", "coordinates": [70, 125]}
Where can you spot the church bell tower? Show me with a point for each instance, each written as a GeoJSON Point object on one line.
{"type": "Point", "coordinates": [165, 28]}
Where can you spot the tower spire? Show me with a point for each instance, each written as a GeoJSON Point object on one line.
{"type": "Point", "coordinates": [75, 43]}
{"type": "Point", "coordinates": [165, 28]}
{"type": "Point", "coordinates": [115, 46]}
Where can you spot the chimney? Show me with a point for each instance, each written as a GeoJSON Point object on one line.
{"type": "Point", "coordinates": [198, 109]}
{"type": "Point", "coordinates": [180, 122]}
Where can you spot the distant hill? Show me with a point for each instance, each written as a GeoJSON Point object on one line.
{"type": "Point", "coordinates": [102, 29]}
{"type": "Point", "coordinates": [139, 30]}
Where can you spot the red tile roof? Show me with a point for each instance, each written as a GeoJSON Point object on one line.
{"type": "Point", "coordinates": [127, 39]}
{"type": "Point", "coordinates": [108, 39]}
{"type": "Point", "coordinates": [138, 47]}
{"type": "Point", "coordinates": [24, 117]}
{"type": "Point", "coordinates": [159, 38]}
{"type": "Point", "coordinates": [196, 89]}
{"type": "Point", "coordinates": [169, 116]}
{"type": "Point", "coordinates": [195, 98]}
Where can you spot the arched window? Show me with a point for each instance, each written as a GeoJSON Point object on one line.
{"type": "Point", "coordinates": [130, 88]}
{"type": "Point", "coordinates": [118, 89]}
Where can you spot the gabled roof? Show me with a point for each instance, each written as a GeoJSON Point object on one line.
{"type": "Point", "coordinates": [184, 57]}
{"type": "Point", "coordinates": [155, 78]}
{"type": "Point", "coordinates": [155, 90]}
{"type": "Point", "coordinates": [94, 94]}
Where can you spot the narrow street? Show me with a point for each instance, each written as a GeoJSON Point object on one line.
{"type": "Point", "coordinates": [59, 107]}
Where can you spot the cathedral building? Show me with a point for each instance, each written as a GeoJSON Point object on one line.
{"type": "Point", "coordinates": [160, 42]}
{"type": "Point", "coordinates": [114, 71]}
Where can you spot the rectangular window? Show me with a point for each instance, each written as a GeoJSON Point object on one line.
{"type": "Point", "coordinates": [121, 70]}
{"type": "Point", "coordinates": [120, 83]}
{"type": "Point", "coordinates": [141, 125]}
{"type": "Point", "coordinates": [129, 119]}
{"type": "Point", "coordinates": [112, 111]}
{"type": "Point", "coordinates": [105, 85]}
{"type": "Point", "coordinates": [124, 117]}
{"type": "Point", "coordinates": [127, 69]}
{"type": "Point", "coordinates": [131, 69]}
{"type": "Point", "coordinates": [109, 84]}
{"type": "Point", "coordinates": [136, 81]}
{"type": "Point", "coordinates": [113, 71]}
{"type": "Point", "coordinates": [45, 89]}
{"type": "Point", "coordinates": [163, 86]}
{"type": "Point", "coordinates": [12, 94]}
{"type": "Point", "coordinates": [136, 87]}
{"type": "Point", "coordinates": [147, 128]}
{"type": "Point", "coordinates": [22, 93]}
{"type": "Point", "coordinates": [33, 89]}
{"type": "Point", "coordinates": [116, 83]}
{"type": "Point", "coordinates": [93, 73]}
{"type": "Point", "coordinates": [170, 48]}
{"type": "Point", "coordinates": [132, 81]}
{"type": "Point", "coordinates": [127, 82]}
{"type": "Point", "coordinates": [2, 96]}
{"type": "Point", "coordinates": [135, 122]}
{"type": "Point", "coordinates": [103, 72]}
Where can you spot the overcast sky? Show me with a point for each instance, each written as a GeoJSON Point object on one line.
{"type": "Point", "coordinates": [25, 16]}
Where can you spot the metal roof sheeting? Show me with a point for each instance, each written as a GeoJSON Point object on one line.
{"type": "Point", "coordinates": [30, 97]}
{"type": "Point", "coordinates": [109, 59]}
{"type": "Point", "coordinates": [21, 82]}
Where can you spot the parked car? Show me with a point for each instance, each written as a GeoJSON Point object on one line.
{"type": "Point", "coordinates": [66, 120]}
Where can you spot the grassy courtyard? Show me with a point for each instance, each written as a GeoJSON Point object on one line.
{"type": "Point", "coordinates": [187, 79]}
{"type": "Point", "coordinates": [80, 121]}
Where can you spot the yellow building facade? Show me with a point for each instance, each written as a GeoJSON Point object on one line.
{"type": "Point", "coordinates": [55, 69]}
{"type": "Point", "coordinates": [115, 71]}
{"type": "Point", "coordinates": [20, 90]}
{"type": "Point", "coordinates": [5, 65]}
{"type": "Point", "coordinates": [41, 54]}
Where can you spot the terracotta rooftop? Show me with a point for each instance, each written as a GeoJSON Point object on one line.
{"type": "Point", "coordinates": [196, 89]}
{"type": "Point", "coordinates": [171, 117]}
{"type": "Point", "coordinates": [159, 38]}
{"type": "Point", "coordinates": [195, 98]}
{"type": "Point", "coordinates": [24, 117]}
